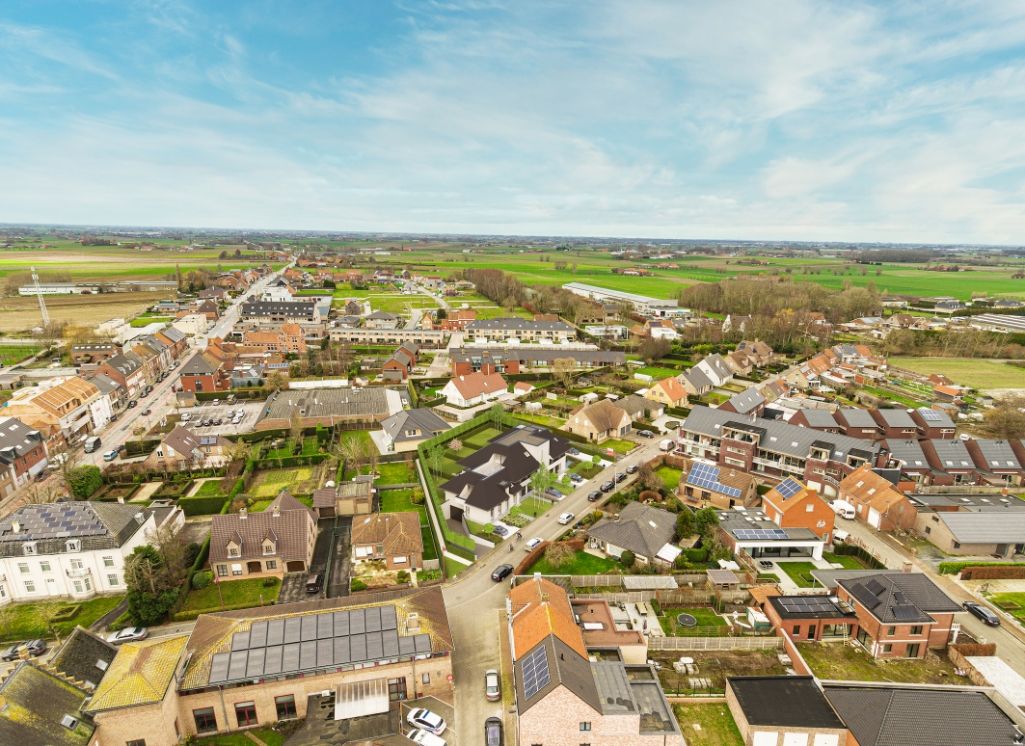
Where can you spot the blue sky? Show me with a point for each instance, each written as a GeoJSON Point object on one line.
{"type": "Point", "coordinates": [775, 120]}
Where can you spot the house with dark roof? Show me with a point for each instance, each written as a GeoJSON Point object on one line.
{"type": "Point", "coordinates": [906, 715]}
{"type": "Point", "coordinates": [749, 401]}
{"type": "Point", "coordinates": [75, 549]}
{"type": "Point", "coordinates": [858, 423]}
{"type": "Point", "coordinates": [562, 696]}
{"type": "Point", "coordinates": [23, 454]}
{"type": "Point", "coordinates": [204, 371]}
{"type": "Point", "coordinates": [705, 484]}
{"type": "Point", "coordinates": [783, 709]}
{"type": "Point", "coordinates": [998, 462]}
{"type": "Point", "coordinates": [900, 614]}
{"type": "Point", "coordinates": [496, 478]}
{"type": "Point", "coordinates": [645, 531]}
{"type": "Point", "coordinates": [128, 370]}
{"type": "Point", "coordinates": [933, 423]}
{"type": "Point", "coordinates": [390, 538]}
{"type": "Point", "coordinates": [525, 330]}
{"type": "Point", "coordinates": [183, 449]}
{"type": "Point", "coordinates": [521, 359]}
{"type": "Point", "coordinates": [40, 708]}
{"type": "Point", "coordinates": [405, 430]}
{"type": "Point", "coordinates": [820, 618]}
{"type": "Point", "coordinates": [976, 524]}
{"type": "Point", "coordinates": [381, 320]}
{"type": "Point", "coordinates": [277, 540]}
{"type": "Point", "coordinates": [640, 407]}
{"type": "Point", "coordinates": [83, 658]}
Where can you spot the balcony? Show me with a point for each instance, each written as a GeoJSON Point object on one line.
{"type": "Point", "coordinates": [77, 572]}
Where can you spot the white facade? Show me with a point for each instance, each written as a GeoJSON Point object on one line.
{"type": "Point", "coordinates": [276, 294]}
{"type": "Point", "coordinates": [73, 573]}
{"type": "Point", "coordinates": [192, 325]}
{"type": "Point", "coordinates": [101, 410]}
{"type": "Point", "coordinates": [454, 396]}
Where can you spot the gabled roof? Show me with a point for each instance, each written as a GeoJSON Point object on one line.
{"type": "Point", "coordinates": [894, 417]}
{"type": "Point", "coordinates": [17, 439]}
{"type": "Point", "coordinates": [425, 420]}
{"type": "Point", "coordinates": [817, 418]}
{"type": "Point", "coordinates": [97, 525]}
{"type": "Point", "coordinates": [905, 597]}
{"type": "Point", "coordinates": [399, 533]}
{"type": "Point", "coordinates": [746, 401]}
{"type": "Point", "coordinates": [857, 417]}
{"type": "Point", "coordinates": [126, 363]}
{"type": "Point", "coordinates": [640, 528]}
{"type": "Point", "coordinates": [603, 415]}
{"type": "Point", "coordinates": [83, 657]}
{"type": "Point", "coordinates": [473, 385]}
{"type": "Point", "coordinates": [184, 442]}
{"type": "Point", "coordinates": [672, 388]}
{"type": "Point", "coordinates": [34, 702]}
{"type": "Point", "coordinates": [289, 529]}
{"type": "Point", "coordinates": [140, 674]}
{"type": "Point", "coordinates": [871, 488]}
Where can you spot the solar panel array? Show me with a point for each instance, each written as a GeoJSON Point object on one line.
{"type": "Point", "coordinates": [929, 415]}
{"type": "Point", "coordinates": [788, 487]}
{"type": "Point", "coordinates": [760, 534]}
{"type": "Point", "coordinates": [57, 520]}
{"type": "Point", "coordinates": [310, 642]}
{"type": "Point", "coordinates": [536, 675]}
{"type": "Point", "coordinates": [707, 476]}
{"type": "Point", "coordinates": [807, 605]}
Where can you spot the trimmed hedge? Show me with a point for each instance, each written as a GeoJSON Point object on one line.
{"type": "Point", "coordinates": [953, 568]}
{"type": "Point", "coordinates": [140, 447]}
{"type": "Point", "coordinates": [188, 616]}
{"type": "Point", "coordinates": [210, 505]}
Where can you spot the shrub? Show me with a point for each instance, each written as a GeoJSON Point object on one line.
{"type": "Point", "coordinates": [202, 579]}
{"type": "Point", "coordinates": [269, 582]}
{"type": "Point", "coordinates": [84, 481]}
{"type": "Point", "coordinates": [697, 554]}
{"type": "Point", "coordinates": [357, 585]}
{"type": "Point", "coordinates": [627, 558]}
{"type": "Point", "coordinates": [65, 613]}
{"type": "Point", "coordinates": [402, 576]}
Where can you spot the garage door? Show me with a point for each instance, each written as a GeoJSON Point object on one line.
{"type": "Point", "coordinates": [874, 518]}
{"type": "Point", "coordinates": [826, 739]}
{"type": "Point", "coordinates": [795, 739]}
{"type": "Point", "coordinates": [764, 738]}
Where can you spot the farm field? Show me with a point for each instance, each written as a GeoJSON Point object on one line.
{"type": "Point", "coordinates": [11, 354]}
{"type": "Point", "coordinates": [21, 313]}
{"type": "Point", "coordinates": [977, 373]}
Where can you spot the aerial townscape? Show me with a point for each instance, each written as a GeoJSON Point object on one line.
{"type": "Point", "coordinates": [419, 459]}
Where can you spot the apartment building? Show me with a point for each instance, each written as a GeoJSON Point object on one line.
{"type": "Point", "coordinates": [516, 330]}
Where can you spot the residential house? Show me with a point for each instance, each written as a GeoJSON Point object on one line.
{"type": "Point", "coordinates": [83, 658]}
{"type": "Point", "coordinates": [790, 504]}
{"type": "Point", "coordinates": [43, 708]}
{"type": "Point", "coordinates": [513, 329]}
{"type": "Point", "coordinates": [393, 539]}
{"type": "Point", "coordinates": [716, 369]}
{"type": "Point", "coordinates": [176, 339]}
{"type": "Point", "coordinates": [976, 524]}
{"type": "Point", "coordinates": [877, 501]}
{"type": "Point", "coordinates": [206, 371]}
{"type": "Point", "coordinates": [355, 497]}
{"type": "Point", "coordinates": [191, 324]}
{"type": "Point", "coordinates": [696, 382]}
{"type": "Point", "coordinates": [277, 540]}
{"type": "Point", "coordinates": [645, 531]}
{"type": "Point", "coordinates": [515, 359]}
{"type": "Point", "coordinates": [127, 369]}
{"type": "Point", "coordinates": [749, 401]}
{"type": "Point", "coordinates": [599, 421]}
{"type": "Point", "coordinates": [288, 339]}
{"type": "Point", "coordinates": [998, 462]}
{"type": "Point", "coordinates": [639, 407]}
{"type": "Point", "coordinates": [562, 695]}
{"type": "Point", "coordinates": [207, 308]}
{"type": "Point", "coordinates": [306, 310]}
{"type": "Point", "coordinates": [858, 423]}
{"type": "Point", "coordinates": [496, 478]}
{"type": "Point", "coordinates": [895, 423]}
{"type": "Point", "coordinates": [62, 404]}
{"type": "Point", "coordinates": [183, 449]}
{"type": "Point", "coordinates": [705, 483]}
{"type": "Point", "coordinates": [934, 424]}
{"type": "Point", "coordinates": [91, 353]}
{"type": "Point", "coordinates": [474, 388]}
{"type": "Point", "coordinates": [757, 353]}
{"type": "Point", "coordinates": [668, 391]}
{"type": "Point", "coordinates": [754, 533]}
{"type": "Point", "coordinates": [75, 549]}
{"type": "Point", "coordinates": [900, 614]}
{"type": "Point", "coordinates": [405, 430]}
{"type": "Point", "coordinates": [816, 419]}
{"type": "Point", "coordinates": [783, 709]}
{"type": "Point", "coordinates": [814, 618]}
{"type": "Point", "coordinates": [457, 319]}
{"type": "Point", "coordinates": [362, 406]}
{"type": "Point", "coordinates": [381, 320]}
{"type": "Point", "coordinates": [950, 461]}
{"type": "Point", "coordinates": [23, 454]}
{"type": "Point", "coordinates": [399, 366]}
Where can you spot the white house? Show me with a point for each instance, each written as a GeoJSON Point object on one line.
{"type": "Point", "coordinates": [193, 325]}
{"type": "Point", "coordinates": [71, 549]}
{"type": "Point", "coordinates": [716, 368]}
{"type": "Point", "coordinates": [474, 388]}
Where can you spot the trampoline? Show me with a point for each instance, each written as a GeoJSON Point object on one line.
{"type": "Point", "coordinates": [686, 620]}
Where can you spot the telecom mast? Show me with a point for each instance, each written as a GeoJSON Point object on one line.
{"type": "Point", "coordinates": [39, 294]}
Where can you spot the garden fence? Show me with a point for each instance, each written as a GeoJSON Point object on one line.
{"type": "Point", "coordinates": [715, 643]}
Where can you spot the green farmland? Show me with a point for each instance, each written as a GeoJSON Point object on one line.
{"type": "Point", "coordinates": [979, 374]}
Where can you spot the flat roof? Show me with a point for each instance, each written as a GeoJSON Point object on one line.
{"type": "Point", "coordinates": [621, 294]}
{"type": "Point", "coordinates": [784, 701]}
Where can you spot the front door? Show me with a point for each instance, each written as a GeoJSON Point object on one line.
{"type": "Point", "coordinates": [254, 566]}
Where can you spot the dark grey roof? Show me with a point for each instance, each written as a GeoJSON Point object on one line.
{"type": "Point", "coordinates": [173, 334]}
{"type": "Point", "coordinates": [97, 525]}
{"type": "Point", "coordinates": [566, 667]}
{"type": "Point", "coordinates": [952, 454]}
{"type": "Point", "coordinates": [717, 364]}
{"type": "Point", "coordinates": [899, 596]}
{"type": "Point", "coordinates": [126, 363]}
{"type": "Point", "coordinates": [382, 316]}
{"type": "Point", "coordinates": [105, 384]}
{"type": "Point", "coordinates": [515, 324]}
{"type": "Point", "coordinates": [784, 701]}
{"type": "Point", "coordinates": [998, 455]}
{"type": "Point", "coordinates": [635, 404]}
{"type": "Point", "coordinates": [894, 417]}
{"type": "Point", "coordinates": [993, 526]}
{"type": "Point", "coordinates": [17, 439]}
{"type": "Point", "coordinates": [909, 453]}
{"type": "Point", "coordinates": [778, 437]}
{"type": "Point", "coordinates": [538, 355]}
{"type": "Point", "coordinates": [84, 657]}
{"type": "Point", "coordinates": [264, 308]}
{"type": "Point", "coordinates": [857, 417]}
{"type": "Point", "coordinates": [351, 402]}
{"type": "Point", "coordinates": [199, 364]}
{"type": "Point", "coordinates": [746, 401]}
{"type": "Point", "coordinates": [698, 379]}
{"type": "Point", "coordinates": [640, 528]}
{"type": "Point", "coordinates": [424, 420]}
{"type": "Point", "coordinates": [819, 418]}
{"type": "Point", "coordinates": [935, 417]}
{"type": "Point", "coordinates": [896, 716]}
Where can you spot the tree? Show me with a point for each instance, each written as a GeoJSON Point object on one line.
{"type": "Point", "coordinates": [455, 444]}
{"type": "Point", "coordinates": [1006, 419]}
{"type": "Point", "coordinates": [541, 480]}
{"type": "Point", "coordinates": [705, 520]}
{"type": "Point", "coordinates": [652, 349]}
{"type": "Point", "coordinates": [83, 481]}
{"type": "Point", "coordinates": [558, 554]}
{"type": "Point", "coordinates": [354, 451]}
{"type": "Point", "coordinates": [627, 558]}
{"type": "Point", "coordinates": [496, 416]}
{"type": "Point", "coordinates": [153, 585]}
{"type": "Point", "coordinates": [277, 381]}
{"type": "Point", "coordinates": [684, 524]}
{"type": "Point", "coordinates": [649, 478]}
{"type": "Point", "coordinates": [434, 460]}
{"type": "Point", "coordinates": [562, 368]}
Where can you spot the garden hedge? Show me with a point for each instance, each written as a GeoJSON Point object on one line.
{"type": "Point", "coordinates": [210, 505]}
{"type": "Point", "coordinates": [953, 568]}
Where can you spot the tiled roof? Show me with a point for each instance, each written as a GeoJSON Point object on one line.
{"type": "Point", "coordinates": [672, 388]}
{"type": "Point", "coordinates": [398, 533]}
{"type": "Point", "coordinates": [872, 488]}
{"type": "Point", "coordinates": [84, 657]}
{"type": "Point", "coordinates": [140, 674]}
{"type": "Point", "coordinates": [603, 415]}
{"type": "Point", "coordinates": [425, 420]}
{"type": "Point", "coordinates": [640, 528]}
{"type": "Point", "coordinates": [473, 385]}
{"type": "Point", "coordinates": [97, 525]}
{"type": "Point", "coordinates": [541, 608]}
{"type": "Point", "coordinates": [32, 705]}
{"type": "Point", "coordinates": [289, 530]}
{"type": "Point", "coordinates": [906, 597]}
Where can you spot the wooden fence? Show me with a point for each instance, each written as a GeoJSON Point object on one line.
{"type": "Point", "coordinates": [764, 642]}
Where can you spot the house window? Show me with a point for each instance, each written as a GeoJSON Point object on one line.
{"type": "Point", "coordinates": [206, 721]}
{"type": "Point", "coordinates": [234, 552]}
{"type": "Point", "coordinates": [912, 650]}
{"type": "Point", "coordinates": [271, 564]}
{"type": "Point", "coordinates": [30, 547]}
{"type": "Point", "coordinates": [222, 571]}
{"type": "Point", "coordinates": [245, 713]}
{"type": "Point", "coordinates": [797, 630]}
{"type": "Point", "coordinates": [44, 566]}
{"type": "Point", "coordinates": [76, 564]}
{"type": "Point", "coordinates": [916, 629]}
{"type": "Point", "coordinates": [30, 587]}
{"type": "Point", "coordinates": [585, 725]}
{"type": "Point", "coordinates": [425, 678]}
{"type": "Point", "coordinates": [23, 567]}
{"type": "Point", "coordinates": [397, 689]}
{"type": "Point", "coordinates": [268, 547]}
{"type": "Point", "coordinates": [285, 706]}
{"type": "Point", "coordinates": [112, 579]}
{"type": "Point", "coordinates": [74, 545]}
{"type": "Point", "coordinates": [890, 631]}
{"type": "Point", "coordinates": [136, 742]}
{"type": "Point", "coordinates": [398, 560]}
{"type": "Point", "coordinates": [78, 586]}
{"type": "Point", "coordinates": [887, 648]}
{"type": "Point", "coordinates": [236, 569]}
{"type": "Point", "coordinates": [108, 561]}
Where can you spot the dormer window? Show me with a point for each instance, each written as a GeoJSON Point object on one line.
{"type": "Point", "coordinates": [234, 550]}
{"type": "Point", "coordinates": [74, 545]}
{"type": "Point", "coordinates": [268, 547]}
{"type": "Point", "coordinates": [29, 547]}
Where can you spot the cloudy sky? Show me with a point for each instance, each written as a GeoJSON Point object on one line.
{"type": "Point", "coordinates": [771, 119]}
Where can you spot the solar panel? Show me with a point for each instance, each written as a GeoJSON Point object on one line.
{"type": "Point", "coordinates": [275, 631]}
{"type": "Point", "coordinates": [536, 675]}
{"type": "Point", "coordinates": [788, 487]}
{"type": "Point", "coordinates": [358, 647]}
{"type": "Point", "coordinates": [375, 647]}
{"type": "Point", "coordinates": [292, 626]}
{"type": "Point", "coordinates": [290, 657]}
{"type": "Point", "coordinates": [272, 661]}
{"type": "Point", "coordinates": [309, 628]}
{"type": "Point", "coordinates": [219, 668]}
{"type": "Point", "coordinates": [930, 415]}
{"type": "Point", "coordinates": [254, 668]}
{"type": "Point", "coordinates": [258, 635]}
{"type": "Point", "coordinates": [308, 654]}
{"type": "Point", "coordinates": [341, 623]}
{"type": "Point", "coordinates": [325, 653]}
{"type": "Point", "coordinates": [237, 664]}
{"type": "Point", "coordinates": [341, 650]}
{"type": "Point", "coordinates": [760, 534]}
{"type": "Point", "coordinates": [388, 619]}
{"type": "Point", "coordinates": [325, 626]}
{"type": "Point", "coordinates": [357, 622]}
{"type": "Point", "coordinates": [240, 641]}
{"type": "Point", "coordinates": [707, 477]}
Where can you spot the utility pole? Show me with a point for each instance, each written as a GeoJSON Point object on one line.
{"type": "Point", "coordinates": [39, 294]}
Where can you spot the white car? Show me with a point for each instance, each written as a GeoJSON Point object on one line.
{"type": "Point", "coordinates": [424, 738]}
{"type": "Point", "coordinates": [566, 518]}
{"type": "Point", "coordinates": [426, 720]}
{"type": "Point", "coordinates": [128, 634]}
{"type": "Point", "coordinates": [186, 416]}
{"type": "Point", "coordinates": [532, 543]}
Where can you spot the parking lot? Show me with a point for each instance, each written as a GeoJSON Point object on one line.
{"type": "Point", "coordinates": [193, 417]}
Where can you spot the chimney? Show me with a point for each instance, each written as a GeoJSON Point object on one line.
{"type": "Point", "coordinates": [16, 527]}
{"type": "Point", "coordinates": [243, 513]}
{"type": "Point", "coordinates": [906, 567]}
{"type": "Point", "coordinates": [277, 511]}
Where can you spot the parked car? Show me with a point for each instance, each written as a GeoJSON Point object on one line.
{"type": "Point", "coordinates": [500, 531]}
{"type": "Point", "coordinates": [573, 452]}
{"type": "Point", "coordinates": [132, 403]}
{"type": "Point", "coordinates": [501, 573]}
{"type": "Point", "coordinates": [217, 421]}
{"type": "Point", "coordinates": [576, 479]}
{"type": "Point", "coordinates": [186, 416]}
{"type": "Point", "coordinates": [566, 518]}
{"type": "Point", "coordinates": [608, 486]}
{"type": "Point", "coordinates": [128, 634]}
{"type": "Point", "coordinates": [493, 732]}
{"type": "Point", "coordinates": [13, 652]}
{"type": "Point", "coordinates": [631, 469]}
{"type": "Point", "coordinates": [532, 543]}
{"type": "Point", "coordinates": [980, 611]}
{"type": "Point", "coordinates": [594, 496]}
{"type": "Point", "coordinates": [36, 647]}
{"type": "Point", "coordinates": [554, 494]}
{"type": "Point", "coordinates": [492, 685]}
{"type": "Point", "coordinates": [110, 455]}
{"type": "Point", "coordinates": [426, 720]}
{"type": "Point", "coordinates": [621, 477]}
{"type": "Point", "coordinates": [646, 433]}
{"type": "Point", "coordinates": [764, 565]}
{"type": "Point", "coordinates": [424, 738]}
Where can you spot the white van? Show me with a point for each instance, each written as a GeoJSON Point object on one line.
{"type": "Point", "coordinates": [666, 445]}
{"type": "Point", "coordinates": [840, 536]}
{"type": "Point", "coordinates": [425, 738]}
{"type": "Point", "coordinates": [92, 443]}
{"type": "Point", "coordinates": [843, 509]}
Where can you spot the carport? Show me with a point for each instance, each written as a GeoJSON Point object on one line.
{"type": "Point", "coordinates": [361, 698]}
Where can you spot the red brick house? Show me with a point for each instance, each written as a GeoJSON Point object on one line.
{"type": "Point", "coordinates": [876, 501]}
{"type": "Point", "coordinates": [790, 504]}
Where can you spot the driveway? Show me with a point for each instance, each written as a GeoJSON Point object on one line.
{"type": "Point", "coordinates": [225, 412]}
{"type": "Point", "coordinates": [293, 588]}
{"type": "Point", "coordinates": [331, 555]}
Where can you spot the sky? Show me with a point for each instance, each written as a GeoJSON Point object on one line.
{"type": "Point", "coordinates": [778, 119]}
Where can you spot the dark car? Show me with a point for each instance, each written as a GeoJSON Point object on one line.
{"type": "Point", "coordinates": [573, 452]}
{"type": "Point", "coordinates": [594, 495]}
{"type": "Point", "coordinates": [631, 469]}
{"type": "Point", "coordinates": [500, 531]}
{"type": "Point", "coordinates": [493, 732]}
{"type": "Point", "coordinates": [608, 486]}
{"type": "Point", "coordinates": [501, 573]}
{"type": "Point", "coordinates": [37, 647]}
{"type": "Point", "coordinates": [980, 611]}
{"type": "Point", "coordinates": [132, 403]}
{"type": "Point", "coordinates": [646, 433]}
{"type": "Point", "coordinates": [621, 477]}
{"type": "Point", "coordinates": [13, 652]}
{"type": "Point", "coordinates": [554, 494]}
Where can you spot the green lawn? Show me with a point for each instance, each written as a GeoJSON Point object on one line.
{"type": "Point", "coordinates": [849, 561]}
{"type": "Point", "coordinates": [670, 476]}
{"type": "Point", "coordinates": [619, 446]}
{"type": "Point", "coordinates": [401, 472]}
{"type": "Point", "coordinates": [705, 617]}
{"type": "Point", "coordinates": [836, 661]}
{"type": "Point", "coordinates": [581, 564]}
{"type": "Point", "coordinates": [267, 735]}
{"type": "Point", "coordinates": [258, 506]}
{"type": "Point", "coordinates": [799, 572]}
{"type": "Point", "coordinates": [268, 483]}
{"type": "Point", "coordinates": [657, 372]}
{"type": "Point", "coordinates": [528, 510]}
{"type": "Point", "coordinates": [24, 621]}
{"type": "Point", "coordinates": [481, 438]}
{"type": "Point", "coordinates": [540, 419]}
{"type": "Point", "coordinates": [977, 373]}
{"type": "Point", "coordinates": [141, 321]}
{"type": "Point", "coordinates": [1012, 603]}
{"type": "Point", "coordinates": [248, 592]}
{"type": "Point", "coordinates": [708, 724]}
{"type": "Point", "coordinates": [209, 489]}
{"type": "Point", "coordinates": [11, 354]}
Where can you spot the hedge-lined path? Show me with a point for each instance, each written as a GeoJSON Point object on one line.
{"type": "Point", "coordinates": [145, 492]}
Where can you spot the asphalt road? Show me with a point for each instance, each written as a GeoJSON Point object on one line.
{"type": "Point", "coordinates": [475, 604]}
